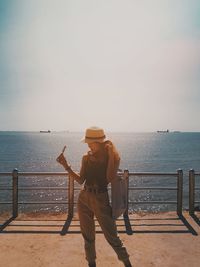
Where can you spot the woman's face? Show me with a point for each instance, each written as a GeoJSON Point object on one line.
{"type": "Point", "coordinates": [94, 147]}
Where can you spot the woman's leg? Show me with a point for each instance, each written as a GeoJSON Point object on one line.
{"type": "Point", "coordinates": [103, 213]}
{"type": "Point", "coordinates": [86, 217]}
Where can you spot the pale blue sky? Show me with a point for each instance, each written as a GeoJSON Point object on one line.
{"type": "Point", "coordinates": [125, 65]}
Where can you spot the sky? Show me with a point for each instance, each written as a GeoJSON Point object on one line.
{"type": "Point", "coordinates": [124, 65]}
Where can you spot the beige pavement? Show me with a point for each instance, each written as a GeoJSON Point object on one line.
{"type": "Point", "coordinates": [157, 240]}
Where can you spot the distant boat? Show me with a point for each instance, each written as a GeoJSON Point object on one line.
{"type": "Point", "coordinates": [45, 131]}
{"type": "Point", "coordinates": [164, 131]}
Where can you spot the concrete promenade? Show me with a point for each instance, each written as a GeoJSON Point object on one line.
{"type": "Point", "coordinates": [153, 240]}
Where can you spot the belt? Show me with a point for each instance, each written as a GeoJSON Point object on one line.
{"type": "Point", "coordinates": [95, 189]}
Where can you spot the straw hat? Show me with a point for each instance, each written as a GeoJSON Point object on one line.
{"type": "Point", "coordinates": [94, 134]}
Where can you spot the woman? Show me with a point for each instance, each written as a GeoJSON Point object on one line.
{"type": "Point", "coordinates": [99, 167]}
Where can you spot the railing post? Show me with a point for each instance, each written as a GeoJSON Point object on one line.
{"type": "Point", "coordinates": [15, 192]}
{"type": "Point", "coordinates": [70, 196]}
{"type": "Point", "coordinates": [179, 191]}
{"type": "Point", "coordinates": [126, 177]}
{"type": "Point", "coordinates": [191, 191]}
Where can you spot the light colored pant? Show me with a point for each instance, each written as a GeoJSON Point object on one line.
{"type": "Point", "coordinates": [90, 204]}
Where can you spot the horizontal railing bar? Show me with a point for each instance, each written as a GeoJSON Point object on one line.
{"type": "Point", "coordinates": [64, 188]}
{"type": "Point", "coordinates": [42, 202]}
{"type": "Point", "coordinates": [5, 188]}
{"type": "Point", "coordinates": [36, 188]}
{"type": "Point", "coordinates": [42, 188]}
{"type": "Point", "coordinates": [5, 173]}
{"type": "Point", "coordinates": [66, 173]}
{"type": "Point", "coordinates": [35, 173]}
{"type": "Point", "coordinates": [198, 201]}
{"type": "Point", "coordinates": [152, 174]}
{"type": "Point", "coordinates": [42, 173]}
{"type": "Point", "coordinates": [130, 202]}
{"type": "Point", "coordinates": [152, 202]}
{"type": "Point", "coordinates": [152, 188]}
{"type": "Point", "coordinates": [78, 188]}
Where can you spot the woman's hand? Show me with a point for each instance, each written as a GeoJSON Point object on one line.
{"type": "Point", "coordinates": [109, 148]}
{"type": "Point", "coordinates": [62, 160]}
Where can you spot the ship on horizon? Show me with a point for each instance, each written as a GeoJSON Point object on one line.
{"type": "Point", "coordinates": [48, 131]}
{"type": "Point", "coordinates": [163, 131]}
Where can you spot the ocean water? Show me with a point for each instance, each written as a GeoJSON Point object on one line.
{"type": "Point", "coordinates": [140, 152]}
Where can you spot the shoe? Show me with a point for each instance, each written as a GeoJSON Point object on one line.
{"type": "Point", "coordinates": [93, 264]}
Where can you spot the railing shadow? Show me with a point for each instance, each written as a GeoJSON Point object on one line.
{"type": "Point", "coordinates": [23, 225]}
{"type": "Point", "coordinates": [195, 218]}
{"type": "Point", "coordinates": [3, 227]}
{"type": "Point", "coordinates": [6, 223]}
{"type": "Point", "coordinates": [126, 225]}
{"type": "Point", "coordinates": [66, 225]}
{"type": "Point", "coordinates": [130, 226]}
{"type": "Point", "coordinates": [188, 225]}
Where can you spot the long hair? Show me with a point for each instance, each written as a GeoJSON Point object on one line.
{"type": "Point", "coordinates": [102, 155]}
{"type": "Point", "coordinates": [115, 152]}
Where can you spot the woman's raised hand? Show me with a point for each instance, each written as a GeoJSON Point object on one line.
{"type": "Point", "coordinates": [62, 160]}
{"type": "Point", "coordinates": [109, 148]}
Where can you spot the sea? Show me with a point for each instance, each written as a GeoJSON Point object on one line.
{"type": "Point", "coordinates": [139, 152]}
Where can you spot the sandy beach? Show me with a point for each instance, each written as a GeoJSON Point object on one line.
{"type": "Point", "coordinates": [161, 239]}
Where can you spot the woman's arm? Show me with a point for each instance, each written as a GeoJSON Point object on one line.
{"type": "Point", "coordinates": [80, 178]}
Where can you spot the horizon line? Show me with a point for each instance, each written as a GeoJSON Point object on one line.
{"type": "Point", "coordinates": [109, 131]}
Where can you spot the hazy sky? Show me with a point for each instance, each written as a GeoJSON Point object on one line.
{"type": "Point", "coordinates": [124, 65]}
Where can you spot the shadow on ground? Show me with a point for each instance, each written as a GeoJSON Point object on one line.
{"type": "Point", "coordinates": [128, 224]}
{"type": "Point", "coordinates": [195, 218]}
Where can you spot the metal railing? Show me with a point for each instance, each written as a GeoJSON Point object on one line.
{"type": "Point", "coordinates": [178, 188]}
{"type": "Point", "coordinates": [126, 174]}
{"type": "Point", "coordinates": [192, 190]}
{"type": "Point", "coordinates": [15, 190]}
